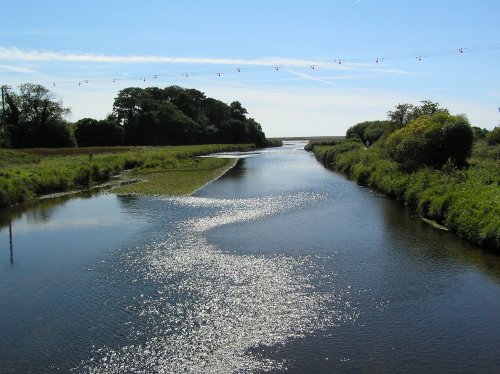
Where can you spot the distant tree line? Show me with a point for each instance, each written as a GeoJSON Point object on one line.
{"type": "Point", "coordinates": [33, 117]}
{"type": "Point", "coordinates": [175, 115]}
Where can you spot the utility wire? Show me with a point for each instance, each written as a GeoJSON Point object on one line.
{"type": "Point", "coordinates": [315, 65]}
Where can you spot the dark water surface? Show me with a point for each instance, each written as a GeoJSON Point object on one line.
{"type": "Point", "coordinates": [279, 265]}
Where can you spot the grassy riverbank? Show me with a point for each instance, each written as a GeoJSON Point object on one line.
{"type": "Point", "coordinates": [25, 175]}
{"type": "Point", "coordinates": [179, 181]}
{"type": "Point", "coordinates": [465, 200]}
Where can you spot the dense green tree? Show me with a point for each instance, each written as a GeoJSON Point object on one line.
{"type": "Point", "coordinates": [432, 141]}
{"type": "Point", "coordinates": [112, 132]}
{"type": "Point", "coordinates": [134, 109]}
{"type": "Point", "coordinates": [149, 116]}
{"type": "Point", "coordinates": [86, 132]}
{"type": "Point", "coordinates": [479, 133]}
{"type": "Point", "coordinates": [255, 133]}
{"type": "Point", "coordinates": [493, 137]}
{"type": "Point", "coordinates": [90, 132]}
{"type": "Point", "coordinates": [128, 103]}
{"type": "Point", "coordinates": [189, 101]}
{"type": "Point", "coordinates": [237, 111]}
{"type": "Point", "coordinates": [401, 115]}
{"type": "Point", "coordinates": [369, 131]}
{"type": "Point", "coordinates": [36, 118]}
{"type": "Point", "coordinates": [428, 108]}
{"type": "Point", "coordinates": [234, 131]}
{"type": "Point", "coordinates": [175, 127]}
{"type": "Point", "coordinates": [216, 111]}
{"type": "Point", "coordinates": [175, 115]}
{"type": "Point", "coordinates": [374, 131]}
{"type": "Point", "coordinates": [405, 113]}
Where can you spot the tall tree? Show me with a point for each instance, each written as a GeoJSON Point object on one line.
{"type": "Point", "coordinates": [37, 119]}
{"type": "Point", "coordinates": [403, 114]}
{"type": "Point", "coordinates": [237, 111]}
{"type": "Point", "coordinates": [90, 132]}
{"type": "Point", "coordinates": [216, 111]}
{"type": "Point", "coordinates": [428, 108]}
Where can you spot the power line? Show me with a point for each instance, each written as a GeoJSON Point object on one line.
{"type": "Point", "coordinates": [220, 73]}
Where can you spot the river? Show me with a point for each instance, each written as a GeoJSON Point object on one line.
{"type": "Point", "coordinates": [279, 265]}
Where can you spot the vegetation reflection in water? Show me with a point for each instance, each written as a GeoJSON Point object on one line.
{"type": "Point", "coordinates": [212, 307]}
{"type": "Point", "coordinates": [280, 265]}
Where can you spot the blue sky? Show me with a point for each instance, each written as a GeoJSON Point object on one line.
{"type": "Point", "coordinates": [67, 43]}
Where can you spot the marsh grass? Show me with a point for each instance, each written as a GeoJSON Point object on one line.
{"type": "Point", "coordinates": [26, 175]}
{"type": "Point", "coordinates": [10, 158]}
{"type": "Point", "coordinates": [178, 181]}
{"type": "Point", "coordinates": [466, 200]}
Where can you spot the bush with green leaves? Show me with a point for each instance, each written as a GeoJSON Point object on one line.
{"type": "Point", "coordinates": [482, 150]}
{"type": "Point", "coordinates": [369, 131]}
{"type": "Point", "coordinates": [328, 154]}
{"type": "Point", "coordinates": [479, 133]}
{"type": "Point", "coordinates": [432, 141]}
{"type": "Point", "coordinates": [465, 200]}
{"type": "Point", "coordinates": [493, 137]}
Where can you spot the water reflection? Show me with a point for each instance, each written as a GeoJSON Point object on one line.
{"type": "Point", "coordinates": [237, 171]}
{"type": "Point", "coordinates": [10, 244]}
{"type": "Point", "coordinates": [53, 306]}
{"type": "Point", "coordinates": [411, 235]}
{"type": "Point", "coordinates": [279, 265]}
{"type": "Point", "coordinates": [39, 211]}
{"type": "Point", "coordinates": [209, 307]}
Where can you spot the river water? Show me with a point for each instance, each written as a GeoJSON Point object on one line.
{"type": "Point", "coordinates": [280, 265]}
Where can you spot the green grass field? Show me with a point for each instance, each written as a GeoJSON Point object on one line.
{"type": "Point", "coordinates": [179, 181]}
{"type": "Point", "coordinates": [25, 175]}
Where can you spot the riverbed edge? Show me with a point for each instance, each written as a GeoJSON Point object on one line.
{"type": "Point", "coordinates": [42, 176]}
{"type": "Point", "coordinates": [352, 164]}
{"type": "Point", "coordinates": [228, 167]}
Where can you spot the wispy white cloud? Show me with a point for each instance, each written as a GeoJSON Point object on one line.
{"type": "Point", "coordinates": [308, 76]}
{"type": "Point", "coordinates": [16, 54]}
{"type": "Point", "coordinates": [16, 69]}
{"type": "Point", "coordinates": [390, 71]}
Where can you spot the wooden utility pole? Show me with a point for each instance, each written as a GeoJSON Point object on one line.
{"type": "Point", "coordinates": [4, 93]}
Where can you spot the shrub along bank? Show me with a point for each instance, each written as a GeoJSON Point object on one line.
{"type": "Point", "coordinates": [24, 176]}
{"type": "Point", "coordinates": [464, 198]}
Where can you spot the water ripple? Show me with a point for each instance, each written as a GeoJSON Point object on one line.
{"type": "Point", "coordinates": [211, 307]}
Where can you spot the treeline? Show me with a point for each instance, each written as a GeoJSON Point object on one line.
{"type": "Point", "coordinates": [34, 118]}
{"type": "Point", "coordinates": [437, 163]}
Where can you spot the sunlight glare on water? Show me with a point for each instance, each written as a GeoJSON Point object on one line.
{"type": "Point", "coordinates": [280, 265]}
{"type": "Point", "coordinates": [211, 307]}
